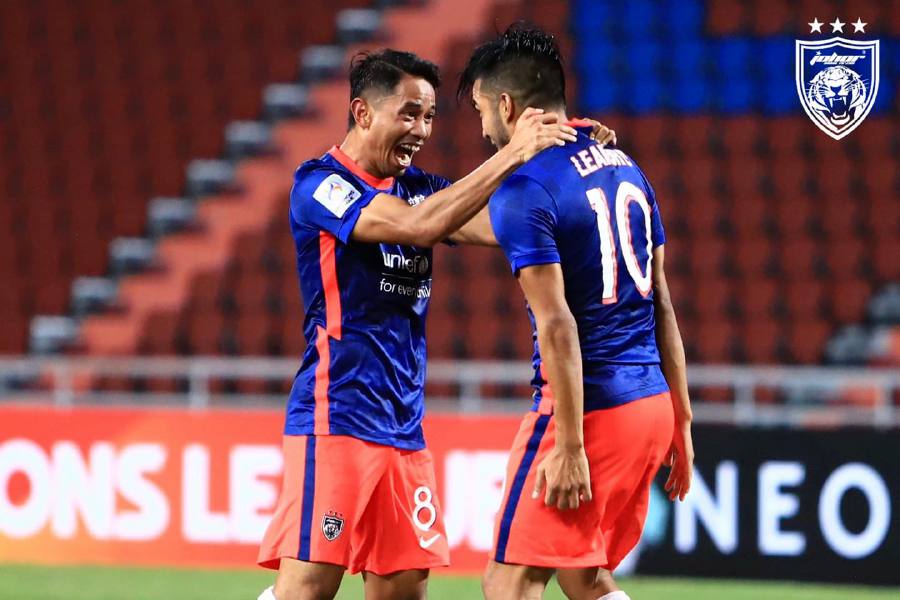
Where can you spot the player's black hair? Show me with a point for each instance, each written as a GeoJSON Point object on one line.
{"type": "Point", "coordinates": [523, 62]}
{"type": "Point", "coordinates": [383, 69]}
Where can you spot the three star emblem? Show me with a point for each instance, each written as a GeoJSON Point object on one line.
{"type": "Point", "coordinates": [837, 26]}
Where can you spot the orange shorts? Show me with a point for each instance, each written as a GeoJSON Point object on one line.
{"type": "Point", "coordinates": [625, 446]}
{"type": "Point", "coordinates": [353, 503]}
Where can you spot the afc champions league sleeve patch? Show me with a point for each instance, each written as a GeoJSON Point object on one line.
{"type": "Point", "coordinates": [336, 194]}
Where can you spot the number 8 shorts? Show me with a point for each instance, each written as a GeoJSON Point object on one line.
{"type": "Point", "coordinates": [364, 506]}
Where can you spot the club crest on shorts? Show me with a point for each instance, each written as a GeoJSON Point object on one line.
{"type": "Point", "coordinates": [837, 81]}
{"type": "Point", "coordinates": [332, 526]}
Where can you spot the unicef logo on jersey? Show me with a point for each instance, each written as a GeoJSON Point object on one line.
{"type": "Point", "coordinates": [416, 265]}
{"type": "Point", "coordinates": [837, 79]}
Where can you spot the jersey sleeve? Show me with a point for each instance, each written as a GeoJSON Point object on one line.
{"type": "Point", "coordinates": [657, 231]}
{"type": "Point", "coordinates": [524, 218]}
{"type": "Point", "coordinates": [328, 200]}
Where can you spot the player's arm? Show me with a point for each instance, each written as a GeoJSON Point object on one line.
{"type": "Point", "coordinates": [565, 470]}
{"type": "Point", "coordinates": [674, 366]}
{"type": "Point", "coordinates": [477, 232]}
{"type": "Point", "coordinates": [390, 219]}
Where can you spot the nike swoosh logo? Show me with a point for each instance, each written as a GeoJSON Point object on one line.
{"type": "Point", "coordinates": [426, 543]}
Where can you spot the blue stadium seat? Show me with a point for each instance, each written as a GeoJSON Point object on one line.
{"type": "Point", "coordinates": [638, 17]}
{"type": "Point", "coordinates": [740, 96]}
{"type": "Point", "coordinates": [682, 18]}
{"type": "Point", "coordinates": [589, 16]}
{"type": "Point", "coordinates": [733, 57]}
{"type": "Point", "coordinates": [691, 96]}
{"type": "Point", "coordinates": [642, 94]}
{"type": "Point", "coordinates": [687, 58]}
{"type": "Point", "coordinates": [644, 56]}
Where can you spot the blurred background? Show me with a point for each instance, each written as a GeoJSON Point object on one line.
{"type": "Point", "coordinates": [146, 154]}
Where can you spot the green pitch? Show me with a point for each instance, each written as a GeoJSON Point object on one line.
{"type": "Point", "coordinates": [19, 582]}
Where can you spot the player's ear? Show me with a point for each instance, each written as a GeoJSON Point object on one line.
{"type": "Point", "coordinates": [507, 108]}
{"type": "Point", "coordinates": [362, 112]}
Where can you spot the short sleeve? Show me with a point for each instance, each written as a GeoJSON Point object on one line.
{"type": "Point", "coordinates": [328, 200]}
{"type": "Point", "coordinates": [524, 218]}
{"type": "Point", "coordinates": [657, 231]}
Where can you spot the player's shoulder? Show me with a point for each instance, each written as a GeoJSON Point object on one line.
{"type": "Point", "coordinates": [318, 168]}
{"type": "Point", "coordinates": [327, 176]}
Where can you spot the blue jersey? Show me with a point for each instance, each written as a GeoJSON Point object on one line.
{"type": "Point", "coordinates": [363, 372]}
{"type": "Point", "coordinates": [592, 210]}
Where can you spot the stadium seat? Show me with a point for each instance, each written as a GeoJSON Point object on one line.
{"type": "Point", "coordinates": [761, 340]}
{"type": "Point", "coordinates": [757, 298]}
{"type": "Point", "coordinates": [805, 298]}
{"type": "Point", "coordinates": [715, 340]}
{"type": "Point", "coordinates": [849, 298]}
{"type": "Point", "coordinates": [754, 257]}
{"type": "Point", "coordinates": [806, 339]}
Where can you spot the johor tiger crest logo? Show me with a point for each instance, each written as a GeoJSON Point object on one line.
{"type": "Point", "coordinates": [332, 526]}
{"type": "Point", "coordinates": [837, 81]}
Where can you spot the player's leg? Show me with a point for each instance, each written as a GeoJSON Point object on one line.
{"type": "Point", "coordinates": [327, 483]}
{"type": "Point", "coordinates": [625, 447]}
{"type": "Point", "coordinates": [300, 580]}
{"type": "Point", "coordinates": [514, 582]}
{"type": "Point", "coordinates": [589, 584]}
{"type": "Point", "coordinates": [411, 584]}
{"type": "Point", "coordinates": [401, 535]}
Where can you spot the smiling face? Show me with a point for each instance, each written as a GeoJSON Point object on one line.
{"type": "Point", "coordinates": [396, 125]}
{"type": "Point", "coordinates": [494, 113]}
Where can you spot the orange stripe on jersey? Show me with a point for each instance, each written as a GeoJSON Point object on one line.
{"type": "Point", "coordinates": [578, 123]}
{"type": "Point", "coordinates": [350, 164]}
{"type": "Point", "coordinates": [332, 329]}
{"type": "Point", "coordinates": [330, 284]}
{"type": "Point", "coordinates": [322, 381]}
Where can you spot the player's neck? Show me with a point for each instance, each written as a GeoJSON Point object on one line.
{"type": "Point", "coordinates": [559, 111]}
{"type": "Point", "coordinates": [355, 147]}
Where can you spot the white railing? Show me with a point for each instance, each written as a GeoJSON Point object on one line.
{"type": "Point", "coordinates": [805, 396]}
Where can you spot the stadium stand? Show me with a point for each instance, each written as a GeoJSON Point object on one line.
{"type": "Point", "coordinates": [782, 242]}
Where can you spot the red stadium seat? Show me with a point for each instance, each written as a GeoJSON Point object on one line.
{"type": "Point", "coordinates": [846, 258]}
{"type": "Point", "coordinates": [693, 138]}
{"type": "Point", "coordinates": [793, 216]}
{"type": "Point", "coordinates": [761, 340]}
{"type": "Point", "coordinates": [251, 291]}
{"type": "Point", "coordinates": [707, 256]}
{"type": "Point", "coordinates": [749, 218]}
{"type": "Point", "coordinates": [769, 18]}
{"type": "Point", "coordinates": [753, 257]}
{"type": "Point", "coordinates": [159, 334]}
{"type": "Point", "coordinates": [849, 298]}
{"type": "Point", "coordinates": [714, 340]}
{"type": "Point", "coordinates": [884, 258]}
{"type": "Point", "coordinates": [253, 333]}
{"type": "Point", "coordinates": [807, 338]}
{"type": "Point", "coordinates": [805, 298]}
{"type": "Point", "coordinates": [205, 332]}
{"type": "Point", "coordinates": [741, 136]}
{"type": "Point", "coordinates": [757, 298]}
{"type": "Point", "coordinates": [206, 290]}
{"type": "Point", "coordinates": [799, 257]}
{"type": "Point", "coordinates": [714, 296]}
{"type": "Point", "coordinates": [785, 136]}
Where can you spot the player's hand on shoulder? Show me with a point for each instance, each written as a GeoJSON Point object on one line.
{"type": "Point", "coordinates": [680, 460]}
{"type": "Point", "coordinates": [602, 134]}
{"type": "Point", "coordinates": [564, 477]}
{"type": "Point", "coordinates": [536, 131]}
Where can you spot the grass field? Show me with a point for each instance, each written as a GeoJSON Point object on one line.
{"type": "Point", "coordinates": [20, 582]}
